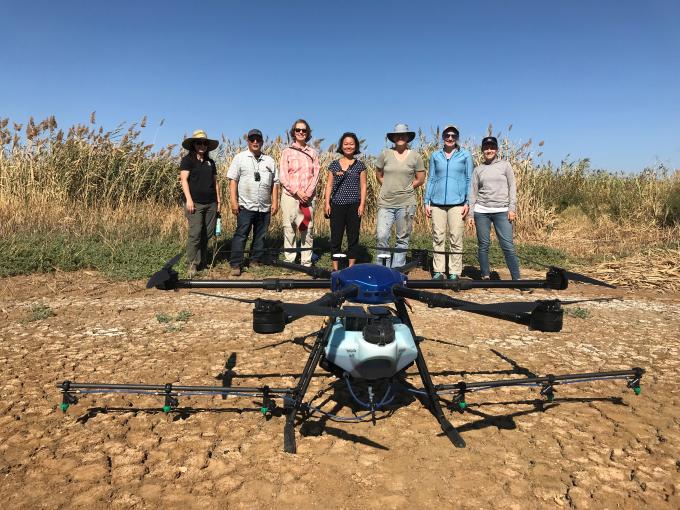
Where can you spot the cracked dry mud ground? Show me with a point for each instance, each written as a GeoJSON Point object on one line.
{"type": "Point", "coordinates": [596, 446]}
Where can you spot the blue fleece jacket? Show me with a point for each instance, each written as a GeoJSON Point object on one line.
{"type": "Point", "coordinates": [448, 180]}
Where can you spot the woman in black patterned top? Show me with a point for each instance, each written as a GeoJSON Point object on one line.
{"type": "Point", "coordinates": [346, 197]}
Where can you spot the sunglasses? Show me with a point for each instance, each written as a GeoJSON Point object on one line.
{"type": "Point", "coordinates": [204, 144]}
{"type": "Point", "coordinates": [490, 148]}
{"type": "Point", "coordinates": [300, 130]}
{"type": "Point", "coordinates": [253, 139]}
{"type": "Point", "coordinates": [446, 136]}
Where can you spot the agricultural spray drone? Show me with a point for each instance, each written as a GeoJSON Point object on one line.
{"type": "Point", "coordinates": [366, 343]}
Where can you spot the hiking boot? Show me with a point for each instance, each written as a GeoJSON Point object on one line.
{"type": "Point", "coordinates": [235, 271]}
{"type": "Point", "coordinates": [437, 276]}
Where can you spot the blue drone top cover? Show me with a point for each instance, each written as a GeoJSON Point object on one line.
{"type": "Point", "coordinates": [374, 281]}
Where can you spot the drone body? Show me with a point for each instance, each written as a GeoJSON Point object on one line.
{"type": "Point", "coordinates": [371, 346]}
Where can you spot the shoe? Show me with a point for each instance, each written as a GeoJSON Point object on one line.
{"type": "Point", "coordinates": [254, 263]}
{"type": "Point", "coordinates": [437, 276]}
{"type": "Point", "coordinates": [192, 270]}
{"type": "Point", "coordinates": [453, 276]}
{"type": "Point", "coordinates": [235, 271]}
{"type": "Point", "coordinates": [485, 278]}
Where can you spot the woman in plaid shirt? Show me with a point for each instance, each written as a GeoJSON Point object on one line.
{"type": "Point", "coordinates": [298, 173]}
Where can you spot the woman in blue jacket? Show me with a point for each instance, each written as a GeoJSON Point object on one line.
{"type": "Point", "coordinates": [446, 202]}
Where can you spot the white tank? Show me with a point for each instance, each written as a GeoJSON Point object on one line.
{"type": "Point", "coordinates": [365, 360]}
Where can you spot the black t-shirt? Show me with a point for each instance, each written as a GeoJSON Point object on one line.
{"type": "Point", "coordinates": [201, 178]}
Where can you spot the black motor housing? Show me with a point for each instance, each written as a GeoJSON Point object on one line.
{"type": "Point", "coordinates": [268, 317]}
{"type": "Point", "coordinates": [547, 316]}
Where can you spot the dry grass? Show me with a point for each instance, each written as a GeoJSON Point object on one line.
{"type": "Point", "coordinates": [88, 181]}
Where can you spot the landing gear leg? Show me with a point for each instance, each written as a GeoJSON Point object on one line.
{"type": "Point", "coordinates": [435, 406]}
{"type": "Point", "coordinates": [289, 445]}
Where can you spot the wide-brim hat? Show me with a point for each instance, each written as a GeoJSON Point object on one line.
{"type": "Point", "coordinates": [401, 129]}
{"type": "Point", "coordinates": [199, 134]}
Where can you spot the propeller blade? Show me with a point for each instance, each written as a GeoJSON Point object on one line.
{"type": "Point", "coordinates": [297, 309]}
{"type": "Point", "coordinates": [408, 266]}
{"type": "Point", "coordinates": [314, 272]}
{"type": "Point", "coordinates": [577, 277]}
{"type": "Point", "coordinates": [302, 309]}
{"type": "Point", "coordinates": [519, 307]}
{"type": "Point", "coordinates": [174, 260]}
{"type": "Point", "coordinates": [240, 300]}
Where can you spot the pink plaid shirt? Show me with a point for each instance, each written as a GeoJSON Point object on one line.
{"type": "Point", "coordinates": [299, 170]}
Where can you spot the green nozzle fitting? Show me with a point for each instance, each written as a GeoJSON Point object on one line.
{"type": "Point", "coordinates": [166, 409]}
{"type": "Point", "coordinates": [637, 390]}
{"type": "Point", "coordinates": [462, 404]}
{"type": "Point", "coordinates": [264, 410]}
{"type": "Point", "coordinates": [64, 407]}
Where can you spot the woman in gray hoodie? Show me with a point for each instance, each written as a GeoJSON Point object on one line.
{"type": "Point", "coordinates": [493, 197]}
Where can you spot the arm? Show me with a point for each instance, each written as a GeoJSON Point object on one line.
{"type": "Point", "coordinates": [362, 193]}
{"type": "Point", "coordinates": [184, 180]}
{"type": "Point", "coordinates": [311, 188]}
{"type": "Point", "coordinates": [217, 191]}
{"type": "Point", "coordinates": [327, 193]}
{"type": "Point", "coordinates": [275, 198]}
{"type": "Point", "coordinates": [284, 177]}
{"type": "Point", "coordinates": [428, 187]}
{"type": "Point", "coordinates": [512, 191]}
{"type": "Point", "coordinates": [420, 173]}
{"type": "Point", "coordinates": [233, 196]}
{"type": "Point", "coordinates": [469, 167]}
{"type": "Point", "coordinates": [379, 165]}
{"type": "Point", "coordinates": [474, 187]}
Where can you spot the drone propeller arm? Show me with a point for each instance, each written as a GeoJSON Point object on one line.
{"type": "Point", "coordinates": [436, 300]}
{"type": "Point", "coordinates": [277, 284]}
{"type": "Point", "coordinates": [461, 284]}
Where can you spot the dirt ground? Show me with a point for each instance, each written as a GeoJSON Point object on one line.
{"type": "Point", "coordinates": [595, 446]}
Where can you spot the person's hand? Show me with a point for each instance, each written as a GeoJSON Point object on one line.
{"type": "Point", "coordinates": [219, 207]}
{"type": "Point", "coordinates": [234, 208]}
{"type": "Point", "coordinates": [428, 211]}
{"type": "Point", "coordinates": [304, 198]}
{"type": "Point", "coordinates": [191, 207]}
{"type": "Point", "coordinates": [512, 216]}
{"type": "Point", "coordinates": [327, 210]}
{"type": "Point", "coordinates": [466, 209]}
{"type": "Point", "coordinates": [360, 210]}
{"type": "Point", "coordinates": [275, 209]}
{"type": "Point", "coordinates": [471, 223]}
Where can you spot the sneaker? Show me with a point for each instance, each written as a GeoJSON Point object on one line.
{"type": "Point", "coordinates": [453, 276]}
{"type": "Point", "coordinates": [437, 276]}
{"type": "Point", "coordinates": [486, 278]}
{"type": "Point", "coordinates": [235, 271]}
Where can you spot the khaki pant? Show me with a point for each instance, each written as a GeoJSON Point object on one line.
{"type": "Point", "coordinates": [447, 222]}
{"type": "Point", "coordinates": [291, 218]}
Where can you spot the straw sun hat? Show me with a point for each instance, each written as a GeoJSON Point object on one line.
{"type": "Point", "coordinates": [199, 134]}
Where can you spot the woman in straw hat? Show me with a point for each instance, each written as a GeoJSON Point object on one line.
{"type": "Point", "coordinates": [399, 171]}
{"type": "Point", "coordinates": [201, 197]}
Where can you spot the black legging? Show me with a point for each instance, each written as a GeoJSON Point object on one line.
{"type": "Point", "coordinates": [345, 217]}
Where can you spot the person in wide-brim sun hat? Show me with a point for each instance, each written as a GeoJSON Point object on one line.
{"type": "Point", "coordinates": [197, 135]}
{"type": "Point", "coordinates": [401, 129]}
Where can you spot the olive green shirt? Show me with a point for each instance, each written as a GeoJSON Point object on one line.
{"type": "Point", "coordinates": [398, 176]}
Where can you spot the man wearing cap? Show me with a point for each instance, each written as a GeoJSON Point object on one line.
{"type": "Point", "coordinates": [254, 196]}
{"type": "Point", "coordinates": [200, 195]}
{"type": "Point", "coordinates": [446, 202]}
{"type": "Point", "coordinates": [400, 171]}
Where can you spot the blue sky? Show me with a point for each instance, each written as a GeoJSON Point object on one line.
{"type": "Point", "coordinates": [597, 79]}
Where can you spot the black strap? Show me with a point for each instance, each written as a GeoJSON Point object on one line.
{"type": "Point", "coordinates": [337, 184]}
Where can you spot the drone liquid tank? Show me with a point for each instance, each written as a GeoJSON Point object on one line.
{"type": "Point", "coordinates": [352, 350]}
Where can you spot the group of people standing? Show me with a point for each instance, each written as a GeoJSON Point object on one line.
{"type": "Point", "coordinates": [456, 192]}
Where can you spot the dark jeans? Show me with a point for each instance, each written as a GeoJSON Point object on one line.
{"type": "Point", "coordinates": [259, 221]}
{"type": "Point", "coordinates": [503, 229]}
{"type": "Point", "coordinates": [345, 217]}
{"type": "Point", "coordinates": [201, 229]}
